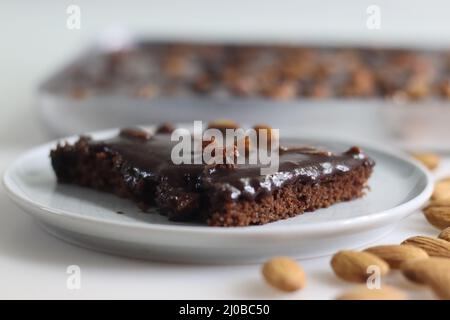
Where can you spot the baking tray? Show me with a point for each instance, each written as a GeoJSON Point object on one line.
{"type": "Point", "coordinates": [415, 125]}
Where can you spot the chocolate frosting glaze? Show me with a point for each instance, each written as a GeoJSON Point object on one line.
{"type": "Point", "coordinates": [149, 159]}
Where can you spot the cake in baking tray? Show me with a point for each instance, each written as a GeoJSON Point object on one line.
{"type": "Point", "coordinates": [163, 69]}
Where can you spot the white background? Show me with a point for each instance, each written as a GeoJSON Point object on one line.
{"type": "Point", "coordinates": [34, 41]}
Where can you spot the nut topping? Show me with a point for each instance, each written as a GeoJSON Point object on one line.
{"type": "Point", "coordinates": [135, 133]}
{"type": "Point", "coordinates": [165, 128]}
{"type": "Point", "coordinates": [223, 124]}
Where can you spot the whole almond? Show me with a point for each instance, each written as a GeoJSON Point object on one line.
{"type": "Point", "coordinates": [222, 125]}
{"type": "Point", "coordinates": [429, 160]}
{"type": "Point", "coordinates": [353, 265]}
{"type": "Point", "coordinates": [433, 246]}
{"type": "Point", "coordinates": [434, 272]}
{"type": "Point", "coordinates": [444, 202]}
{"type": "Point", "coordinates": [269, 131]}
{"type": "Point", "coordinates": [284, 273]}
{"type": "Point", "coordinates": [440, 283]}
{"type": "Point", "coordinates": [364, 293]}
{"type": "Point", "coordinates": [258, 127]}
{"type": "Point", "coordinates": [135, 133]}
{"type": "Point", "coordinates": [396, 254]}
{"type": "Point", "coordinates": [441, 190]}
{"type": "Point", "coordinates": [438, 216]}
{"type": "Point", "coordinates": [414, 270]}
{"type": "Point", "coordinates": [445, 234]}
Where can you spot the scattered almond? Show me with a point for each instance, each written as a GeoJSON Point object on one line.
{"type": "Point", "coordinates": [352, 265]}
{"type": "Point", "coordinates": [440, 202]}
{"type": "Point", "coordinates": [440, 283]}
{"type": "Point", "coordinates": [429, 160]}
{"type": "Point", "coordinates": [395, 255]}
{"type": "Point", "coordinates": [445, 234]}
{"type": "Point", "coordinates": [413, 270]}
{"type": "Point", "coordinates": [433, 246]}
{"type": "Point", "coordinates": [438, 216]}
{"type": "Point", "coordinates": [434, 272]}
{"type": "Point", "coordinates": [441, 190]}
{"type": "Point", "coordinates": [364, 293]}
{"type": "Point", "coordinates": [284, 273]}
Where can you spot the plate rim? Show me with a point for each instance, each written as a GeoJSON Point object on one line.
{"type": "Point", "coordinates": [362, 222]}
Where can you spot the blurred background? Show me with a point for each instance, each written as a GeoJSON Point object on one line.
{"type": "Point", "coordinates": [37, 45]}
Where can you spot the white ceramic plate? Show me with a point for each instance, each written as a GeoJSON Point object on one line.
{"type": "Point", "coordinates": [89, 218]}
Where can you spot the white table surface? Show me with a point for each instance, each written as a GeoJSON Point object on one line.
{"type": "Point", "coordinates": [35, 41]}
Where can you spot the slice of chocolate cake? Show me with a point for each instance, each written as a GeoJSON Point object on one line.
{"type": "Point", "coordinates": [138, 166]}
